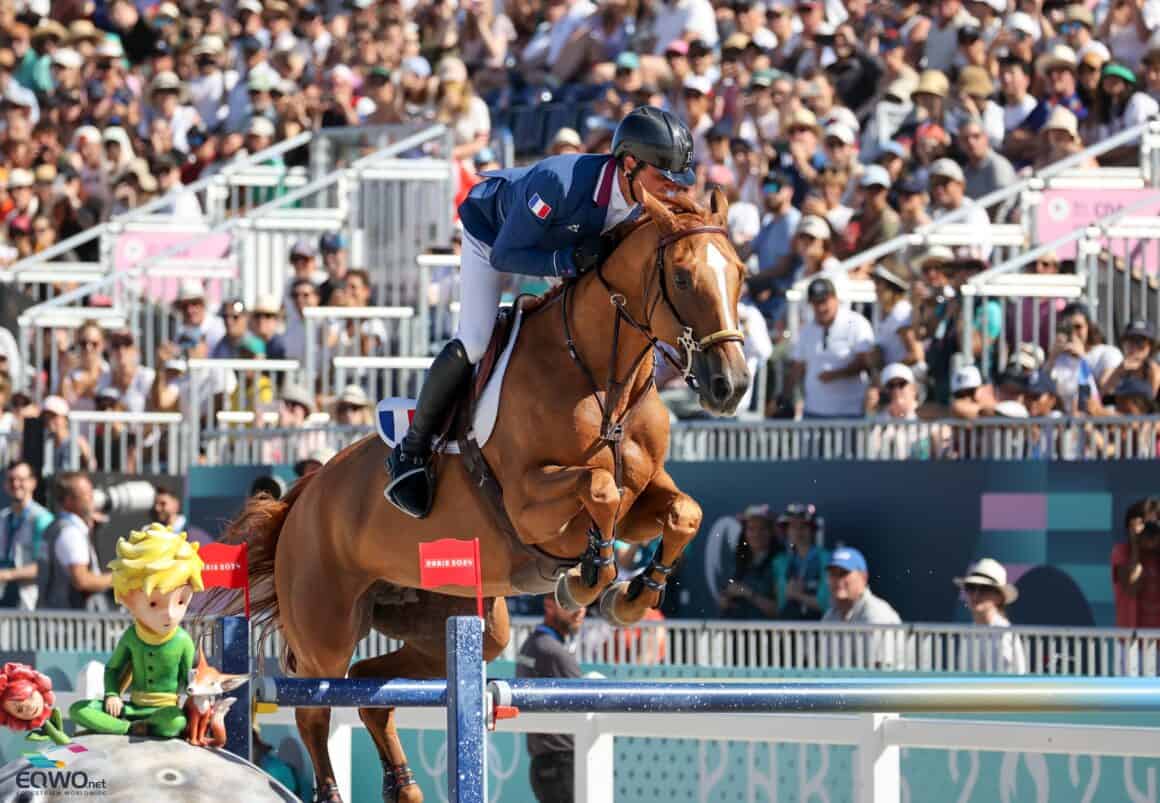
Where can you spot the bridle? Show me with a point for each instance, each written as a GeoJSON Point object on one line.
{"type": "Point", "coordinates": [611, 426]}
{"type": "Point", "coordinates": [612, 430]}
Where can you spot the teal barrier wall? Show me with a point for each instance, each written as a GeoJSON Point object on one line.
{"type": "Point", "coordinates": [678, 770]}
{"type": "Point", "coordinates": [920, 524]}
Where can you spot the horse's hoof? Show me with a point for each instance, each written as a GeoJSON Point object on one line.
{"type": "Point", "coordinates": [608, 604]}
{"type": "Point", "coordinates": [564, 596]}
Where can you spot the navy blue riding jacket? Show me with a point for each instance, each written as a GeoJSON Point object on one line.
{"type": "Point", "coordinates": [533, 216]}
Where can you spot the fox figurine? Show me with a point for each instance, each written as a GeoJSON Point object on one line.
{"type": "Point", "coordinates": [205, 709]}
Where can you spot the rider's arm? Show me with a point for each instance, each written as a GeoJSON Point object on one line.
{"type": "Point", "coordinates": [517, 246]}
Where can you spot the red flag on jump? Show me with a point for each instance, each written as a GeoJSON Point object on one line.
{"type": "Point", "coordinates": [226, 566]}
{"type": "Point", "coordinates": [452, 562]}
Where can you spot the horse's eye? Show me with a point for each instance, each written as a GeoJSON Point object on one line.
{"type": "Point", "coordinates": [682, 279]}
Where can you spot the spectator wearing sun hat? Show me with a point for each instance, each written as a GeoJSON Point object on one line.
{"type": "Point", "coordinates": [987, 594]}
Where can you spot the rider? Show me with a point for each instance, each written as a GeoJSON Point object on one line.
{"type": "Point", "coordinates": [542, 220]}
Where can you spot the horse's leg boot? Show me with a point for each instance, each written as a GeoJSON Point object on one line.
{"type": "Point", "coordinates": [412, 487]}
{"type": "Point", "coordinates": [396, 779]}
{"type": "Point", "coordinates": [327, 793]}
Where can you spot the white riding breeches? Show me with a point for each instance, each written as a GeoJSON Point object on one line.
{"type": "Point", "coordinates": [480, 288]}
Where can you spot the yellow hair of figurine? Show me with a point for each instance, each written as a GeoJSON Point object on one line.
{"type": "Point", "coordinates": [155, 558]}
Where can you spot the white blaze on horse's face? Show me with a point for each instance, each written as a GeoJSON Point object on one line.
{"type": "Point", "coordinates": [718, 263]}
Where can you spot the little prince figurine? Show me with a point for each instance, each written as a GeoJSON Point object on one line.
{"type": "Point", "coordinates": [155, 576]}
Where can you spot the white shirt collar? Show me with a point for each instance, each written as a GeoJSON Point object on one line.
{"type": "Point", "coordinates": [619, 207]}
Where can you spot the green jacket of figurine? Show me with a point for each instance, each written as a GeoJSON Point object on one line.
{"type": "Point", "coordinates": [160, 666]}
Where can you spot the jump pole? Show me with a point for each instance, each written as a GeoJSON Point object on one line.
{"type": "Point", "coordinates": [462, 694]}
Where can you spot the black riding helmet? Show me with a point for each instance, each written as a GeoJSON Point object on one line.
{"type": "Point", "coordinates": [656, 137]}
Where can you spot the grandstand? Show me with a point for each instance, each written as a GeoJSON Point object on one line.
{"type": "Point", "coordinates": [228, 231]}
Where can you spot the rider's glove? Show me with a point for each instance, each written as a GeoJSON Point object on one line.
{"type": "Point", "coordinates": [587, 254]}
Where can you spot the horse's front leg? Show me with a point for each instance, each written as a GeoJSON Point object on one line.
{"type": "Point", "coordinates": [661, 509]}
{"type": "Point", "coordinates": [554, 496]}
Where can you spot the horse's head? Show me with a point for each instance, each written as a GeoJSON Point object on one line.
{"type": "Point", "coordinates": [698, 280]}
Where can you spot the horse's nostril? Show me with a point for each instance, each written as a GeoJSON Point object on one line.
{"type": "Point", "coordinates": [721, 388]}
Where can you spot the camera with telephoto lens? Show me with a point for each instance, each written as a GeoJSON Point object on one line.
{"type": "Point", "coordinates": [135, 495]}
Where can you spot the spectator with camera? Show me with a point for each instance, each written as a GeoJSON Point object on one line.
{"type": "Point", "coordinates": [69, 576]}
{"type": "Point", "coordinates": [800, 571]}
{"type": "Point", "coordinates": [1138, 343]}
{"type": "Point", "coordinates": [1136, 567]}
{"type": "Point", "coordinates": [750, 592]}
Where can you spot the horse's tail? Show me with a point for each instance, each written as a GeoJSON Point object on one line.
{"type": "Point", "coordinates": [259, 526]}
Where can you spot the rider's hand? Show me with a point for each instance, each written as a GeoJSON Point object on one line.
{"type": "Point", "coordinates": [587, 254]}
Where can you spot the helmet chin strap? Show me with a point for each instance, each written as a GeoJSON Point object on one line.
{"type": "Point", "coordinates": [631, 176]}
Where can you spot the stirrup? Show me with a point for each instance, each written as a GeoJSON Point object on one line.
{"type": "Point", "coordinates": [591, 562]}
{"type": "Point", "coordinates": [327, 793]}
{"type": "Point", "coordinates": [395, 779]}
{"type": "Point", "coordinates": [413, 489]}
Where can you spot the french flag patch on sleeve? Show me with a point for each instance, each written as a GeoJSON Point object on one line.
{"type": "Point", "coordinates": [538, 207]}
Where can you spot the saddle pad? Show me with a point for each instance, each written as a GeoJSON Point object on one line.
{"type": "Point", "coordinates": [487, 408]}
{"type": "Point", "coordinates": [393, 416]}
{"type": "Point", "coordinates": [393, 419]}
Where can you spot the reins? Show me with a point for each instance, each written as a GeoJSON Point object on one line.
{"type": "Point", "coordinates": [612, 427]}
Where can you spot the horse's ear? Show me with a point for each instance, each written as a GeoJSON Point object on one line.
{"type": "Point", "coordinates": [719, 207]}
{"type": "Point", "coordinates": [656, 209]}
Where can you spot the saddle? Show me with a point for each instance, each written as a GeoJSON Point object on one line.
{"type": "Point", "coordinates": [538, 575]}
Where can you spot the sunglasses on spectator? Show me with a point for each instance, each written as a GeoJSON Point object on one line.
{"type": "Point", "coordinates": [895, 384]}
{"type": "Point", "coordinates": [304, 294]}
{"type": "Point", "coordinates": [348, 408]}
{"type": "Point", "coordinates": [976, 588]}
{"type": "Point", "coordinates": [1047, 263]}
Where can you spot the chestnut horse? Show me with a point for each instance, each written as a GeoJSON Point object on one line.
{"type": "Point", "coordinates": [579, 447]}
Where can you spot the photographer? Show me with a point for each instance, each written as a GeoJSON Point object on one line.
{"type": "Point", "coordinates": [1074, 379]}
{"type": "Point", "coordinates": [69, 575]}
{"type": "Point", "coordinates": [1136, 567]}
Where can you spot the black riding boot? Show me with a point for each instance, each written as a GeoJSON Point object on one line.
{"type": "Point", "coordinates": [412, 487]}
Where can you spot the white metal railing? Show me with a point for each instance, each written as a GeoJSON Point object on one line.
{"type": "Point", "coordinates": [758, 645]}
{"type": "Point", "coordinates": [1049, 439]}
{"type": "Point", "coordinates": [133, 305]}
{"type": "Point", "coordinates": [351, 332]}
{"type": "Point", "coordinates": [876, 777]}
{"type": "Point", "coordinates": [275, 445]}
{"type": "Point", "coordinates": [1147, 133]}
{"type": "Point", "coordinates": [392, 376]}
{"type": "Point", "coordinates": [127, 442]}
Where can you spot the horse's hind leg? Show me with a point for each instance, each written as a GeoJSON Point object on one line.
{"type": "Point", "coordinates": [660, 509]}
{"type": "Point", "coordinates": [556, 495]}
{"type": "Point", "coordinates": [422, 657]}
{"type": "Point", "coordinates": [321, 631]}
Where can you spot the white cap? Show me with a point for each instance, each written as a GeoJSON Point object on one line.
{"type": "Point", "coordinates": [68, 58]}
{"type": "Point", "coordinates": [897, 370]}
{"type": "Point", "coordinates": [110, 49]}
{"type": "Point", "coordinates": [190, 290]}
{"type": "Point", "coordinates": [55, 405]}
{"type": "Point", "coordinates": [814, 226]}
{"type": "Point", "coordinates": [267, 304]}
{"type": "Point", "coordinates": [252, 6]}
{"type": "Point", "coordinates": [19, 177]}
{"type": "Point", "coordinates": [261, 127]}
{"type": "Point", "coordinates": [1021, 21]}
{"type": "Point", "coordinates": [947, 168]}
{"type": "Point", "coordinates": [875, 176]}
{"type": "Point", "coordinates": [1011, 409]}
{"type": "Point", "coordinates": [840, 131]}
{"type": "Point", "coordinates": [966, 378]}
{"type": "Point", "coordinates": [699, 83]}
{"type": "Point", "coordinates": [1097, 47]}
